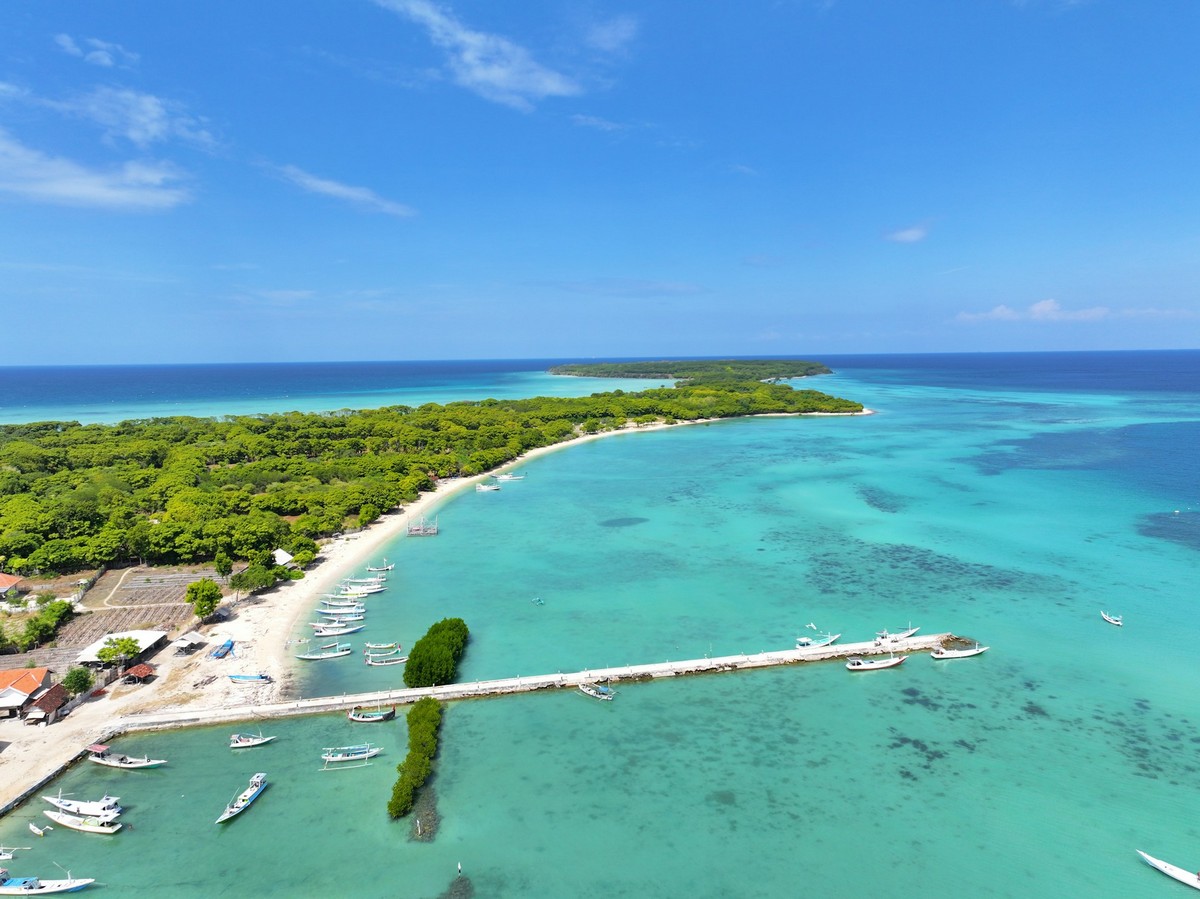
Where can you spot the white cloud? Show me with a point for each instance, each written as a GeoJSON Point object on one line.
{"type": "Point", "coordinates": [360, 196]}
{"type": "Point", "coordinates": [33, 175]}
{"type": "Point", "coordinates": [590, 121]}
{"type": "Point", "coordinates": [140, 118]}
{"type": "Point", "coordinates": [614, 34]}
{"type": "Point", "coordinates": [1041, 311]}
{"type": "Point", "coordinates": [914, 234]}
{"type": "Point", "coordinates": [487, 64]}
{"type": "Point", "coordinates": [97, 52]}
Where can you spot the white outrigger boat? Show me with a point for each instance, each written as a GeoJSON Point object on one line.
{"type": "Point", "coordinates": [385, 660]}
{"type": "Point", "coordinates": [88, 823]}
{"type": "Point", "coordinates": [352, 590]}
{"type": "Point", "coordinates": [1118, 620]}
{"type": "Point", "coordinates": [340, 619]}
{"type": "Point", "coordinates": [105, 807]}
{"type": "Point", "coordinates": [340, 756]}
{"type": "Point", "coordinates": [598, 691]}
{"type": "Point", "coordinates": [1172, 871]}
{"type": "Point", "coordinates": [337, 631]}
{"type": "Point", "coordinates": [258, 783]}
{"type": "Point", "coordinates": [6, 852]}
{"type": "Point", "coordinates": [814, 642]}
{"type": "Point", "coordinates": [35, 886]}
{"type": "Point", "coordinates": [247, 741]}
{"type": "Point", "coordinates": [941, 653]}
{"type": "Point", "coordinates": [328, 651]}
{"type": "Point", "coordinates": [486, 488]}
{"type": "Point", "coordinates": [860, 664]}
{"type": "Point", "coordinates": [356, 608]}
{"type": "Point", "coordinates": [386, 566]}
{"type": "Point", "coordinates": [509, 477]}
{"type": "Point", "coordinates": [380, 648]}
{"type": "Point", "coordinates": [101, 755]}
{"type": "Point", "coordinates": [888, 637]}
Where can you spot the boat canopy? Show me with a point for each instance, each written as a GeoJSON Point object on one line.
{"type": "Point", "coordinates": [97, 747]}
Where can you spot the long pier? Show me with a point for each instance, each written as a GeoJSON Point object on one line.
{"type": "Point", "coordinates": [527, 684]}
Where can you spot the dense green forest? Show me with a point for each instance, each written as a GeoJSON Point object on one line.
{"type": "Point", "coordinates": [697, 370]}
{"type": "Point", "coordinates": [184, 490]}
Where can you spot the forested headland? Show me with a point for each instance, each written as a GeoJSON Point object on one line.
{"type": "Point", "coordinates": [185, 490]}
{"type": "Point", "coordinates": [695, 370]}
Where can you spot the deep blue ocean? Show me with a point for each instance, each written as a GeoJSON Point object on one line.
{"type": "Point", "coordinates": [1008, 498]}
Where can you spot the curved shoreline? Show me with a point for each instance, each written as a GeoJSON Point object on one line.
{"type": "Point", "coordinates": [261, 629]}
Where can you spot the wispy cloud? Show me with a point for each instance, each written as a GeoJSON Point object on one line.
{"type": "Point", "coordinates": [599, 124]}
{"type": "Point", "coordinates": [1041, 311]}
{"type": "Point", "coordinates": [614, 35]}
{"type": "Point", "coordinates": [142, 119]}
{"type": "Point", "coordinates": [487, 64]}
{"type": "Point", "coordinates": [33, 175]}
{"type": "Point", "coordinates": [630, 287]}
{"type": "Point", "coordinates": [97, 52]}
{"type": "Point", "coordinates": [360, 196]}
{"type": "Point", "coordinates": [915, 234]}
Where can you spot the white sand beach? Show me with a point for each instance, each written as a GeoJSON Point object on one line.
{"type": "Point", "coordinates": [260, 627]}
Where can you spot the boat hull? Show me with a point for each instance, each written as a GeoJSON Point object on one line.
{"type": "Point", "coordinates": [86, 825]}
{"type": "Point", "coordinates": [258, 783]}
{"type": "Point", "coordinates": [874, 664]}
{"type": "Point", "coordinates": [1173, 871]}
{"type": "Point", "coordinates": [34, 886]}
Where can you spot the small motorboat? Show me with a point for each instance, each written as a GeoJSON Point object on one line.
{"type": "Point", "coordinates": [246, 741]}
{"type": "Point", "coordinates": [1173, 871]}
{"type": "Point", "coordinates": [258, 783]}
{"type": "Point", "coordinates": [337, 631]}
{"type": "Point", "coordinates": [371, 716]}
{"type": "Point", "coordinates": [509, 477]}
{"type": "Point", "coordinates": [340, 756]}
{"type": "Point", "coordinates": [105, 807]}
{"type": "Point", "coordinates": [814, 642]}
{"type": "Point", "coordinates": [250, 679]}
{"type": "Point", "coordinates": [35, 886]}
{"type": "Point", "coordinates": [384, 660]}
{"type": "Point", "coordinates": [860, 664]}
{"type": "Point", "coordinates": [380, 647]}
{"type": "Point", "coordinates": [486, 488]}
{"type": "Point", "coordinates": [101, 755]}
{"type": "Point", "coordinates": [940, 653]}
{"type": "Point", "coordinates": [327, 651]}
{"type": "Point", "coordinates": [386, 566]}
{"type": "Point", "coordinates": [6, 852]}
{"type": "Point", "coordinates": [598, 691]}
{"type": "Point", "coordinates": [40, 831]}
{"type": "Point", "coordinates": [88, 823]}
{"type": "Point", "coordinates": [889, 637]}
{"type": "Point", "coordinates": [1113, 619]}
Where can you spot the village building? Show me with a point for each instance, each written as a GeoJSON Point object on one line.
{"type": "Point", "coordinates": [19, 687]}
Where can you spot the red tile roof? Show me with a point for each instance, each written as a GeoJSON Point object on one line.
{"type": "Point", "coordinates": [27, 680]}
{"type": "Point", "coordinates": [9, 580]}
{"type": "Point", "coordinates": [139, 671]}
{"type": "Point", "coordinates": [52, 700]}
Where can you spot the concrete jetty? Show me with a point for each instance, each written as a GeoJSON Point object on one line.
{"type": "Point", "coordinates": [526, 684]}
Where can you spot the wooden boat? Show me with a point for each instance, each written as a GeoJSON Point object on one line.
{"type": "Point", "coordinates": [386, 566]}
{"type": "Point", "coordinates": [337, 631]}
{"type": "Point", "coordinates": [223, 650]}
{"type": "Point", "coordinates": [1113, 619]}
{"type": "Point", "coordinates": [341, 620]}
{"type": "Point", "coordinates": [6, 852]}
{"type": "Point", "coordinates": [598, 691]}
{"type": "Point", "coordinates": [328, 651]}
{"type": "Point", "coordinates": [104, 807]}
{"type": "Point", "coordinates": [40, 831]}
{"type": "Point", "coordinates": [486, 488]}
{"type": "Point", "coordinates": [378, 662]}
{"type": "Point", "coordinates": [258, 783]}
{"type": "Point", "coordinates": [35, 886]}
{"type": "Point", "coordinates": [380, 647]}
{"type": "Point", "coordinates": [369, 581]}
{"type": "Point", "coordinates": [940, 653]}
{"type": "Point", "coordinates": [247, 741]}
{"type": "Point", "coordinates": [1174, 871]}
{"type": "Point", "coordinates": [341, 755]}
{"type": "Point", "coordinates": [246, 679]}
{"type": "Point", "coordinates": [343, 611]}
{"type": "Point", "coordinates": [101, 756]}
{"type": "Point", "coordinates": [360, 589]}
{"type": "Point", "coordinates": [371, 716]}
{"type": "Point", "coordinates": [860, 664]}
{"type": "Point", "coordinates": [336, 601]}
{"type": "Point", "coordinates": [886, 637]}
{"type": "Point", "coordinates": [88, 824]}
{"type": "Point", "coordinates": [509, 477]}
{"type": "Point", "coordinates": [814, 642]}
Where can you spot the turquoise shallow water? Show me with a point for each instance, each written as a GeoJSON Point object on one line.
{"type": "Point", "coordinates": [1005, 513]}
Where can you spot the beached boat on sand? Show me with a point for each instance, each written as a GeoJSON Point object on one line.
{"type": "Point", "coordinates": [101, 755]}
{"type": "Point", "coordinates": [364, 715]}
{"type": "Point", "coordinates": [35, 886]}
{"type": "Point", "coordinates": [246, 741]}
{"type": "Point", "coordinates": [88, 824]}
{"type": "Point", "coordinates": [813, 642]}
{"type": "Point", "coordinates": [250, 679]}
{"type": "Point", "coordinates": [327, 651]}
{"type": "Point", "coordinates": [258, 783]}
{"type": "Point", "coordinates": [860, 664]}
{"type": "Point", "coordinates": [940, 653]}
{"type": "Point", "coordinates": [1113, 619]}
{"type": "Point", "coordinates": [1173, 871]}
{"type": "Point", "coordinates": [105, 807]}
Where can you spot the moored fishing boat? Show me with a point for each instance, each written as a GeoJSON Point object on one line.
{"type": "Point", "coordinates": [814, 642]}
{"type": "Point", "coordinates": [1173, 871]}
{"type": "Point", "coordinates": [340, 611]}
{"type": "Point", "coordinates": [1118, 620]}
{"type": "Point", "coordinates": [258, 783]}
{"type": "Point", "coordinates": [35, 886]}
{"type": "Point", "coordinates": [327, 651]}
{"type": "Point", "coordinates": [598, 691]}
{"type": "Point", "coordinates": [509, 477]}
{"type": "Point", "coordinates": [106, 806]}
{"type": "Point", "coordinates": [371, 716]}
{"type": "Point", "coordinates": [85, 823]}
{"type": "Point", "coordinates": [486, 488]}
{"type": "Point", "coordinates": [337, 601]}
{"type": "Point", "coordinates": [861, 664]}
{"type": "Point", "coordinates": [885, 636]}
{"type": "Point", "coordinates": [941, 653]}
{"type": "Point", "coordinates": [337, 631]}
{"type": "Point", "coordinates": [341, 620]}
{"type": "Point", "coordinates": [101, 755]}
{"type": "Point", "coordinates": [6, 852]}
{"type": "Point", "coordinates": [381, 647]}
{"type": "Point", "coordinates": [347, 756]}
{"type": "Point", "coordinates": [247, 741]}
{"type": "Point", "coordinates": [386, 566]}
{"type": "Point", "coordinates": [380, 662]}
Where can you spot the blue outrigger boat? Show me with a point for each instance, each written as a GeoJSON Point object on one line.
{"type": "Point", "coordinates": [223, 650]}
{"type": "Point", "coordinates": [258, 783]}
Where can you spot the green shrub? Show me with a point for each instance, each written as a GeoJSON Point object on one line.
{"type": "Point", "coordinates": [424, 722]}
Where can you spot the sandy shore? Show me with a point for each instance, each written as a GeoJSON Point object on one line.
{"type": "Point", "coordinates": [261, 627]}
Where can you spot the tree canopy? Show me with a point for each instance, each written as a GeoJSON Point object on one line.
{"type": "Point", "coordinates": [204, 596]}
{"type": "Point", "coordinates": [184, 490]}
{"type": "Point", "coordinates": [118, 649]}
{"type": "Point", "coordinates": [697, 369]}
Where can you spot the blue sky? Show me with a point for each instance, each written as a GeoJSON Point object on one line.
{"type": "Point", "coordinates": [408, 179]}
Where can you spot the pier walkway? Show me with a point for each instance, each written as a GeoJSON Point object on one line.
{"type": "Point", "coordinates": [526, 684]}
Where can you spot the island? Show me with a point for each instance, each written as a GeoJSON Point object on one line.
{"type": "Point", "coordinates": [693, 370]}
